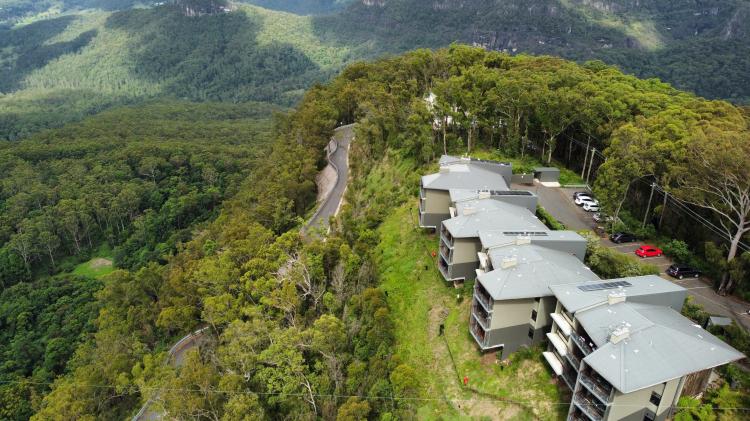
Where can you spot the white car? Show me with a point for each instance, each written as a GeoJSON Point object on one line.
{"type": "Point", "coordinates": [584, 198]}
{"type": "Point", "coordinates": [600, 217]}
{"type": "Point", "coordinates": [592, 206]}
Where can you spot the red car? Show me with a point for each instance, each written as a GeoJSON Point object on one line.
{"type": "Point", "coordinates": [648, 251]}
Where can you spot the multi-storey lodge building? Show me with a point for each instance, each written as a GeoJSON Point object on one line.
{"type": "Point", "coordinates": [512, 297]}
{"type": "Point", "coordinates": [626, 352]}
{"type": "Point", "coordinates": [459, 236]}
{"type": "Point", "coordinates": [458, 173]}
{"type": "Point", "coordinates": [620, 345]}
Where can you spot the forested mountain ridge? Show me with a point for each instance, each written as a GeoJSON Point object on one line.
{"type": "Point", "coordinates": [65, 68]}
{"type": "Point", "coordinates": [80, 62]}
{"type": "Point", "coordinates": [308, 329]}
{"type": "Point", "coordinates": [304, 7]}
{"type": "Point", "coordinates": [136, 182]}
{"type": "Point", "coordinates": [698, 46]}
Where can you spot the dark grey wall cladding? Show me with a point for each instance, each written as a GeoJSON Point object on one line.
{"type": "Point", "coordinates": [465, 270]}
{"type": "Point", "coordinates": [433, 219]}
{"type": "Point", "coordinates": [512, 337]}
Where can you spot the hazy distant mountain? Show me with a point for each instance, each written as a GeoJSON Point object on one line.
{"type": "Point", "coordinates": [304, 7]}
{"type": "Point", "coordinates": [64, 59]}
{"type": "Point", "coordinates": [702, 46]}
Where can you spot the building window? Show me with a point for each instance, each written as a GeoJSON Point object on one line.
{"type": "Point", "coordinates": [655, 398]}
{"type": "Point", "coordinates": [531, 332]}
{"type": "Point", "coordinates": [533, 315]}
{"type": "Point", "coordinates": [649, 416]}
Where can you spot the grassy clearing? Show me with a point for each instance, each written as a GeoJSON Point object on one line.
{"type": "Point", "coordinates": [421, 301]}
{"type": "Point", "coordinates": [94, 268]}
{"type": "Point", "coordinates": [98, 266]}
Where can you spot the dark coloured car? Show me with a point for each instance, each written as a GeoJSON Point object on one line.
{"type": "Point", "coordinates": [622, 237]}
{"type": "Point", "coordinates": [682, 271]}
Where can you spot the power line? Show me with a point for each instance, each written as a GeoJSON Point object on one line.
{"type": "Point", "coordinates": [335, 395]}
{"type": "Point", "coordinates": [704, 221]}
{"type": "Point", "coordinates": [596, 151]}
{"type": "Point", "coordinates": [686, 209]}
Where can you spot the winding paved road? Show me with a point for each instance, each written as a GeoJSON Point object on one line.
{"type": "Point", "coordinates": [339, 160]}
{"type": "Point", "coordinates": [176, 356]}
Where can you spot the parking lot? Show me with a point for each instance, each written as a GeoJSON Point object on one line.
{"type": "Point", "coordinates": [559, 203]}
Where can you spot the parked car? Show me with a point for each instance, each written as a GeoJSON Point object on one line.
{"type": "Point", "coordinates": [583, 198]}
{"type": "Point", "coordinates": [648, 251]}
{"type": "Point", "coordinates": [681, 271]}
{"type": "Point", "coordinates": [581, 193]}
{"type": "Point", "coordinates": [591, 206]}
{"type": "Point", "coordinates": [622, 237]}
{"type": "Point", "coordinates": [601, 217]}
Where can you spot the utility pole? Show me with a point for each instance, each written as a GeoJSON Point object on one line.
{"type": "Point", "coordinates": [585, 159]}
{"type": "Point", "coordinates": [591, 164]}
{"type": "Point", "coordinates": [648, 207]}
{"type": "Point", "coordinates": [570, 150]}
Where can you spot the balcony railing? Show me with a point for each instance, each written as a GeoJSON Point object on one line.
{"type": "Point", "coordinates": [482, 297]}
{"type": "Point", "coordinates": [570, 379]}
{"type": "Point", "coordinates": [445, 252]}
{"type": "Point", "coordinates": [598, 388]}
{"type": "Point", "coordinates": [588, 406]}
{"type": "Point", "coordinates": [478, 334]}
{"type": "Point", "coordinates": [444, 269]}
{"type": "Point", "coordinates": [446, 236]}
{"type": "Point", "coordinates": [482, 316]}
{"type": "Point", "coordinates": [577, 417]}
{"type": "Point", "coordinates": [582, 342]}
{"type": "Point", "coordinates": [574, 360]}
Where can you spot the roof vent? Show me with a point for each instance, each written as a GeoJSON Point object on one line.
{"type": "Point", "coordinates": [469, 211]}
{"type": "Point", "coordinates": [619, 334]}
{"type": "Point", "coordinates": [616, 297]}
{"type": "Point", "coordinates": [484, 195]}
{"type": "Point", "coordinates": [445, 170]}
{"type": "Point", "coordinates": [509, 262]}
{"type": "Point", "coordinates": [484, 261]}
{"type": "Point", "coordinates": [523, 239]}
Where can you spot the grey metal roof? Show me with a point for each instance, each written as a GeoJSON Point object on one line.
{"type": "Point", "coordinates": [662, 345]}
{"type": "Point", "coordinates": [574, 299]}
{"type": "Point", "coordinates": [483, 205]}
{"type": "Point", "coordinates": [504, 216]}
{"type": "Point", "coordinates": [449, 159]}
{"type": "Point", "coordinates": [537, 269]}
{"type": "Point", "coordinates": [457, 195]}
{"type": "Point", "coordinates": [493, 238]}
{"type": "Point", "coordinates": [465, 173]}
{"type": "Point", "coordinates": [719, 321]}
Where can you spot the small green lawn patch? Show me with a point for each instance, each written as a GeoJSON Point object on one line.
{"type": "Point", "coordinates": [99, 265]}
{"type": "Point", "coordinates": [94, 268]}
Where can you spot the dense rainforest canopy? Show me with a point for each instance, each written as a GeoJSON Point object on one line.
{"type": "Point", "coordinates": [297, 327]}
